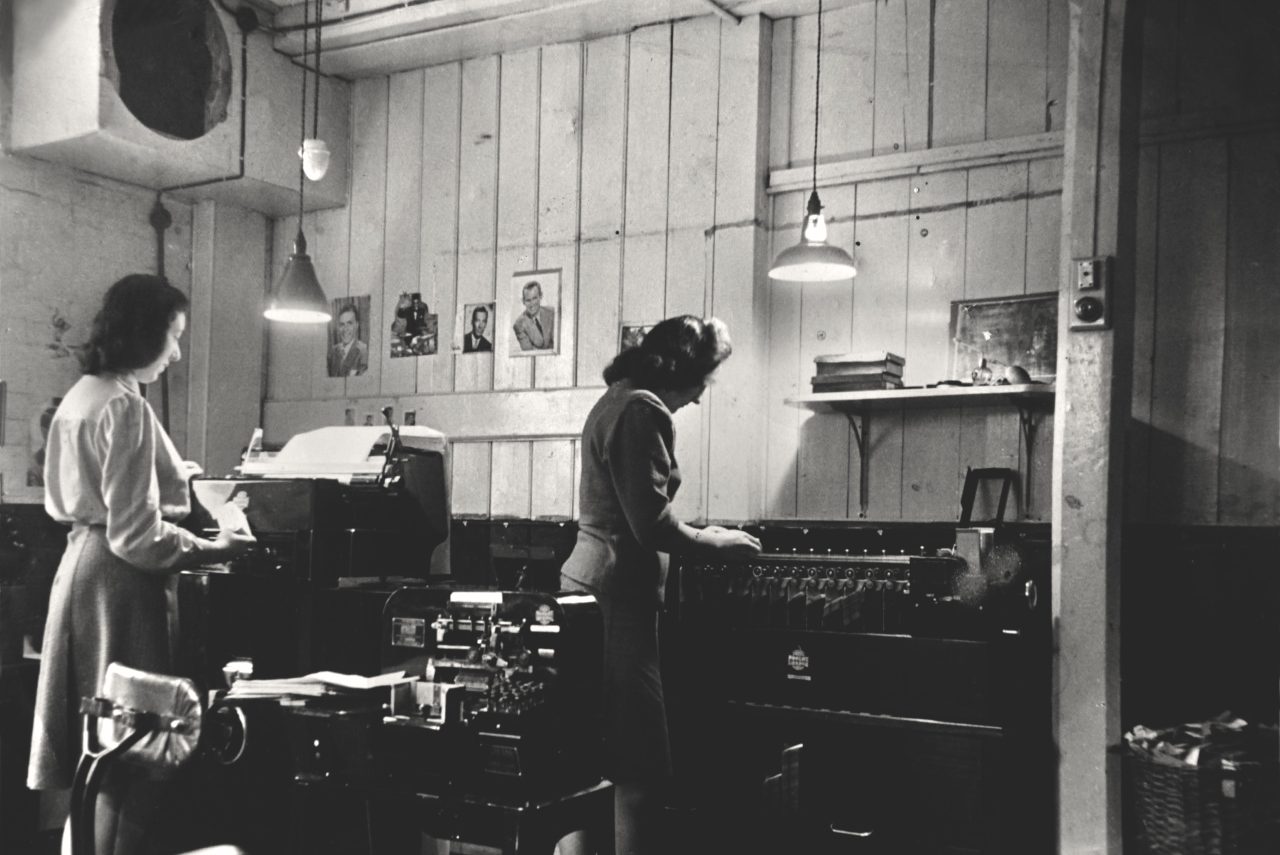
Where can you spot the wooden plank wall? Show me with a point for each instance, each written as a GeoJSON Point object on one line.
{"type": "Point", "coordinates": [939, 74]}
{"type": "Point", "coordinates": [1206, 399]}
{"type": "Point", "coordinates": [598, 159]}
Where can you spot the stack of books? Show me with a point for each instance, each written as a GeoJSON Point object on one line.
{"type": "Point", "coordinates": [856, 372]}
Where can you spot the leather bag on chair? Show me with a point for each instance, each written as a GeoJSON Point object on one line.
{"type": "Point", "coordinates": [174, 701]}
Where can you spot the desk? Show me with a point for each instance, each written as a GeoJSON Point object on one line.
{"type": "Point", "coordinates": [515, 827]}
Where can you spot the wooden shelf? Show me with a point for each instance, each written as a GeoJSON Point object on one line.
{"type": "Point", "coordinates": [1030, 399]}
{"type": "Point", "coordinates": [1023, 395]}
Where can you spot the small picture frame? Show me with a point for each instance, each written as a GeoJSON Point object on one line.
{"type": "Point", "coordinates": [1020, 331]}
{"type": "Point", "coordinates": [414, 330]}
{"type": "Point", "coordinates": [475, 328]}
{"type": "Point", "coordinates": [631, 333]}
{"type": "Point", "coordinates": [533, 322]}
{"type": "Point", "coordinates": [348, 351]}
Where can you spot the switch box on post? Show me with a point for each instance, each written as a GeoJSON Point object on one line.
{"type": "Point", "coordinates": [1091, 294]}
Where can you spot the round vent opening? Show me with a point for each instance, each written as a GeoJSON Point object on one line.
{"type": "Point", "coordinates": [170, 62]}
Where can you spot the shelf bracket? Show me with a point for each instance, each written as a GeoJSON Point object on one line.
{"type": "Point", "coordinates": [858, 422]}
{"type": "Point", "coordinates": [1029, 420]}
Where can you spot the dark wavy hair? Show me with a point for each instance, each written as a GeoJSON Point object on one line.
{"type": "Point", "coordinates": [130, 329]}
{"type": "Point", "coordinates": [677, 353]}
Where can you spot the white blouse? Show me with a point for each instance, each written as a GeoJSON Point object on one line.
{"type": "Point", "coordinates": [109, 461]}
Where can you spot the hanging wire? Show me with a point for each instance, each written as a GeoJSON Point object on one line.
{"type": "Point", "coordinates": [306, 29]}
{"type": "Point", "coordinates": [817, 99]}
{"type": "Point", "coordinates": [315, 109]}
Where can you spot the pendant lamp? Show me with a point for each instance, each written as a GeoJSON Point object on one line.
{"type": "Point", "coordinates": [813, 259]}
{"type": "Point", "coordinates": [296, 297]}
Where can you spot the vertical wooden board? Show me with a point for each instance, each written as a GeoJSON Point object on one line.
{"type": "Point", "coordinates": [368, 223]}
{"type": "Point", "coordinates": [472, 466]}
{"type": "Point", "coordinates": [604, 112]}
{"type": "Point", "coordinates": [959, 72]}
{"type": "Point", "coordinates": [517, 206]}
{"type": "Point", "coordinates": [930, 461]}
{"type": "Point", "coordinates": [1037, 503]}
{"type": "Point", "coordinates": [290, 347]}
{"type": "Point", "coordinates": [1249, 477]}
{"type": "Point", "coordinates": [901, 76]}
{"type": "Point", "coordinates": [920, 69]}
{"type": "Point", "coordinates": [1044, 224]}
{"type": "Point", "coordinates": [552, 485]}
{"type": "Point", "coordinates": [1208, 58]}
{"type": "Point", "coordinates": [235, 353]}
{"type": "Point", "coordinates": [935, 258]}
{"type": "Point", "coordinates": [804, 67]}
{"type": "Point", "coordinates": [1254, 27]}
{"type": "Point", "coordinates": [1160, 59]}
{"type": "Point", "coordinates": [1017, 66]}
{"type": "Point", "coordinates": [1138, 452]}
{"type": "Point", "coordinates": [576, 511]}
{"type": "Point", "coordinates": [438, 283]}
{"type": "Point", "coordinates": [880, 324]}
{"type": "Point", "coordinates": [995, 231]}
{"type": "Point", "coordinates": [402, 253]}
{"type": "Point", "coordinates": [477, 208]}
{"type": "Point", "coordinates": [823, 461]}
{"type": "Point", "coordinates": [781, 94]}
{"type": "Point", "coordinates": [559, 148]}
{"type": "Point", "coordinates": [848, 82]}
{"type": "Point", "coordinates": [1057, 38]}
{"type": "Point", "coordinates": [785, 380]}
{"type": "Point", "coordinates": [512, 480]}
{"type": "Point", "coordinates": [329, 242]}
{"type": "Point", "coordinates": [648, 124]}
{"type": "Point", "coordinates": [1190, 295]}
{"type": "Point", "coordinates": [691, 172]}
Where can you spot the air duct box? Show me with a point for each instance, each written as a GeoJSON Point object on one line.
{"type": "Point", "coordinates": [150, 92]}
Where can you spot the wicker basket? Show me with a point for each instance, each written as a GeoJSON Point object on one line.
{"type": "Point", "coordinates": [1185, 810]}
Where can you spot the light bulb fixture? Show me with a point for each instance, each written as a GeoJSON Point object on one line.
{"type": "Point", "coordinates": [813, 259]}
{"type": "Point", "coordinates": [296, 297]}
{"type": "Point", "coordinates": [315, 151]}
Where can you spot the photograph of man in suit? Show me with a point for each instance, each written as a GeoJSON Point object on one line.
{"type": "Point", "coordinates": [350, 356]}
{"type": "Point", "coordinates": [475, 341]}
{"type": "Point", "coordinates": [535, 328]}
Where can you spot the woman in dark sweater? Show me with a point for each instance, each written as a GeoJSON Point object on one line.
{"type": "Point", "coordinates": [629, 477]}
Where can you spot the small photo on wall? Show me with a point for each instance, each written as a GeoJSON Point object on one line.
{"type": "Point", "coordinates": [414, 330]}
{"type": "Point", "coordinates": [631, 334]}
{"type": "Point", "coordinates": [348, 354]}
{"type": "Point", "coordinates": [535, 296]}
{"type": "Point", "coordinates": [476, 325]}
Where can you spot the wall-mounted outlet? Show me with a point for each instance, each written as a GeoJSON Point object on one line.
{"type": "Point", "coordinates": [1091, 293]}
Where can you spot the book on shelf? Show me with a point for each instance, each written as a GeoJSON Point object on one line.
{"type": "Point", "coordinates": [858, 364]}
{"type": "Point", "coordinates": [852, 383]}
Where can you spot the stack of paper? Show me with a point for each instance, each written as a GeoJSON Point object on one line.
{"type": "Point", "coordinates": [314, 685]}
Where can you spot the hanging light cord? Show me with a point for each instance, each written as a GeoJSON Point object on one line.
{"type": "Point", "coordinates": [315, 109]}
{"type": "Point", "coordinates": [817, 99]}
{"type": "Point", "coordinates": [306, 21]}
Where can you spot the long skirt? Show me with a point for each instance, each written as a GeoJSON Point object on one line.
{"type": "Point", "coordinates": [637, 748]}
{"type": "Point", "coordinates": [101, 610]}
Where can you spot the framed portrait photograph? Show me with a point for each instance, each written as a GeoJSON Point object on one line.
{"type": "Point", "coordinates": [414, 330]}
{"type": "Point", "coordinates": [348, 352]}
{"type": "Point", "coordinates": [1005, 331]}
{"type": "Point", "coordinates": [631, 333]}
{"type": "Point", "coordinates": [475, 327]}
{"type": "Point", "coordinates": [533, 320]}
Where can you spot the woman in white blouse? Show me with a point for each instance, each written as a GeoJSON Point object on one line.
{"type": "Point", "coordinates": [113, 474]}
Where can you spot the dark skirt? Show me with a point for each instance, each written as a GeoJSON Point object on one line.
{"type": "Point", "coordinates": [635, 717]}
{"type": "Point", "coordinates": [101, 610]}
